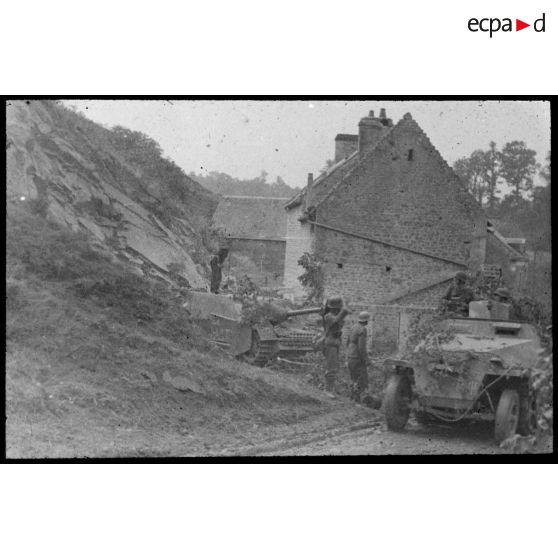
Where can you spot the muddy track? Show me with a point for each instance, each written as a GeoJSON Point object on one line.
{"type": "Point", "coordinates": [371, 437]}
{"type": "Point", "coordinates": [299, 441]}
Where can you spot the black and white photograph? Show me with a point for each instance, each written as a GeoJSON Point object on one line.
{"type": "Point", "coordinates": [277, 277]}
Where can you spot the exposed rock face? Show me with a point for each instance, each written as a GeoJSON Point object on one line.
{"type": "Point", "coordinates": [69, 166]}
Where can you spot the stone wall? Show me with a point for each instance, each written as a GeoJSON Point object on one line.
{"type": "Point", "coordinates": [365, 273]}
{"type": "Point", "coordinates": [345, 145]}
{"type": "Point", "coordinates": [267, 256]}
{"type": "Point", "coordinates": [300, 239]}
{"type": "Point", "coordinates": [404, 194]}
{"type": "Point", "coordinates": [389, 326]}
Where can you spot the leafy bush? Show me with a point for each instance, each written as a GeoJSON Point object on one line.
{"type": "Point", "coordinates": [50, 251]}
{"type": "Point", "coordinates": [261, 313]}
{"type": "Point", "coordinates": [313, 276]}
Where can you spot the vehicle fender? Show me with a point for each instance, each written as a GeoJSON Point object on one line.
{"type": "Point", "coordinates": [242, 340]}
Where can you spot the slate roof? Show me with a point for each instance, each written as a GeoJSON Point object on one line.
{"type": "Point", "coordinates": [324, 184]}
{"type": "Point", "coordinates": [252, 217]}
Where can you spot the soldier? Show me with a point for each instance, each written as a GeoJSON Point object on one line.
{"type": "Point", "coordinates": [503, 296]}
{"type": "Point", "coordinates": [216, 262]}
{"type": "Point", "coordinates": [334, 314]}
{"type": "Point", "coordinates": [358, 357]}
{"type": "Point", "coordinates": [457, 297]}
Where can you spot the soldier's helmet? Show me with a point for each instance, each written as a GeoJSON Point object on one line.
{"type": "Point", "coordinates": [503, 293]}
{"type": "Point", "coordinates": [461, 276]}
{"type": "Point", "coordinates": [363, 317]}
{"type": "Point", "coordinates": [334, 302]}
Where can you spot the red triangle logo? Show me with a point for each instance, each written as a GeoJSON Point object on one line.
{"type": "Point", "coordinates": [519, 25]}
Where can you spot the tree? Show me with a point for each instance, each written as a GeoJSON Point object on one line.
{"type": "Point", "coordinates": [545, 171]}
{"type": "Point", "coordinates": [472, 171]}
{"type": "Point", "coordinates": [541, 211]}
{"type": "Point", "coordinates": [225, 185]}
{"type": "Point", "coordinates": [137, 146]}
{"type": "Point", "coordinates": [518, 166]}
{"type": "Point", "coordinates": [492, 171]}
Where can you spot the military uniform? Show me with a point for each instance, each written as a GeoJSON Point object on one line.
{"type": "Point", "coordinates": [458, 296]}
{"type": "Point", "coordinates": [216, 263]}
{"type": "Point", "coordinates": [357, 356]}
{"type": "Point", "coordinates": [333, 328]}
{"type": "Point", "coordinates": [502, 304]}
{"type": "Point", "coordinates": [216, 274]}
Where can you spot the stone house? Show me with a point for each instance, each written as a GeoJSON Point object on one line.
{"type": "Point", "coordinates": [391, 222]}
{"type": "Point", "coordinates": [257, 227]}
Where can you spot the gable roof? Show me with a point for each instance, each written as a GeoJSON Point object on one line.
{"type": "Point", "coordinates": [252, 217]}
{"type": "Point", "coordinates": [514, 254]}
{"type": "Point", "coordinates": [317, 192]}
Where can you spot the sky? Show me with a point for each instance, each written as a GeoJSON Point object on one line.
{"type": "Point", "coordinates": [292, 138]}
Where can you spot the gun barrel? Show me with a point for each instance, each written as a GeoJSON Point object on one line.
{"type": "Point", "coordinates": [304, 311]}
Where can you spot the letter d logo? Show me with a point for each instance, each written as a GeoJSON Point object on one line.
{"type": "Point", "coordinates": [538, 26]}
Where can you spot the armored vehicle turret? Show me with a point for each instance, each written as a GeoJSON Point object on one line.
{"type": "Point", "coordinates": [256, 343]}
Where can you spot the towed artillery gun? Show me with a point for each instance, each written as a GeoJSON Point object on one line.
{"type": "Point", "coordinates": [476, 367]}
{"type": "Point", "coordinates": [256, 344]}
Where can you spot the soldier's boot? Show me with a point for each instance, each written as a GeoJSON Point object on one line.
{"type": "Point", "coordinates": [330, 386]}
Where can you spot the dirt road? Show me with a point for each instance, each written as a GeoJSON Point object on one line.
{"type": "Point", "coordinates": [369, 436]}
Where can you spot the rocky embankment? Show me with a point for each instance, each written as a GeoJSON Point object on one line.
{"type": "Point", "coordinates": [77, 173]}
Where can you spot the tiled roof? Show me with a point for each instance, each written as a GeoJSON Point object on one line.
{"type": "Point", "coordinates": [252, 217]}
{"type": "Point", "coordinates": [314, 194]}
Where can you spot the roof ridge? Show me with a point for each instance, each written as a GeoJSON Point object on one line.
{"type": "Point", "coordinates": [333, 168]}
{"type": "Point", "coordinates": [232, 196]}
{"type": "Point", "coordinates": [322, 176]}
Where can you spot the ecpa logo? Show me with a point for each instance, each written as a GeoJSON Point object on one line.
{"type": "Point", "coordinates": [494, 24]}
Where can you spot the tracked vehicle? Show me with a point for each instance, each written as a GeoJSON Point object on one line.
{"type": "Point", "coordinates": [470, 368]}
{"type": "Point", "coordinates": [256, 344]}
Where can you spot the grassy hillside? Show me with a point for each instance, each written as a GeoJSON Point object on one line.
{"type": "Point", "coordinates": [104, 362]}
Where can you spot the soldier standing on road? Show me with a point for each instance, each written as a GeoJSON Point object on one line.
{"type": "Point", "coordinates": [357, 355]}
{"type": "Point", "coordinates": [334, 314]}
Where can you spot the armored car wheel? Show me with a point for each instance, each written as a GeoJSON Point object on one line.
{"type": "Point", "coordinates": [397, 402]}
{"type": "Point", "coordinates": [507, 415]}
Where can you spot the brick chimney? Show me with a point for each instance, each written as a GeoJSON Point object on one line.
{"type": "Point", "coordinates": [371, 129]}
{"type": "Point", "coordinates": [345, 145]}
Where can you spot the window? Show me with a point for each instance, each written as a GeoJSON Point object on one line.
{"type": "Point", "coordinates": [410, 155]}
{"type": "Point", "coordinates": [339, 266]}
